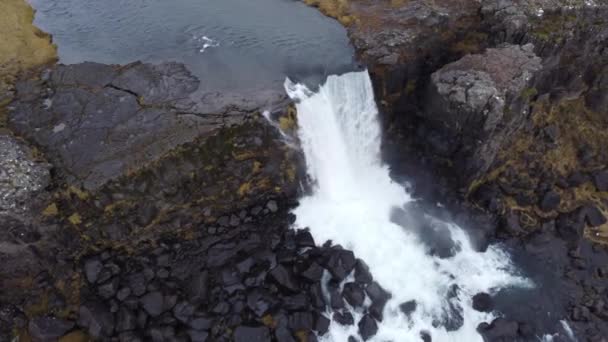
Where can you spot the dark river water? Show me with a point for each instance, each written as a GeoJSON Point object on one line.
{"type": "Point", "coordinates": [231, 45]}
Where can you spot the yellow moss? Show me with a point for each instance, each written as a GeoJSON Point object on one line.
{"type": "Point", "coordinates": [24, 336]}
{"type": "Point", "coordinates": [38, 308]}
{"type": "Point", "coordinates": [81, 194]}
{"type": "Point", "coordinates": [398, 3]}
{"type": "Point", "coordinates": [23, 46]}
{"type": "Point", "coordinates": [241, 156]}
{"type": "Point", "coordinates": [337, 9]}
{"type": "Point", "coordinates": [470, 44]}
{"type": "Point", "coordinates": [410, 87]}
{"type": "Point", "coordinates": [75, 219]}
{"type": "Point", "coordinates": [75, 336]}
{"type": "Point", "coordinates": [244, 189]}
{"type": "Point", "coordinates": [529, 93]}
{"type": "Point", "coordinates": [51, 210]}
{"type": "Point", "coordinates": [268, 321]}
{"type": "Point", "coordinates": [302, 335]}
{"type": "Point", "coordinates": [257, 167]}
{"type": "Point", "coordinates": [578, 126]}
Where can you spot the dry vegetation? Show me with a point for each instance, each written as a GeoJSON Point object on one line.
{"type": "Point", "coordinates": [22, 45]}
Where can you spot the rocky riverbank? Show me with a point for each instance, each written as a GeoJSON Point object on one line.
{"type": "Point", "coordinates": [134, 208]}
{"type": "Point", "coordinates": [499, 108]}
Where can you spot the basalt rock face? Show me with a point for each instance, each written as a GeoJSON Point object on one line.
{"type": "Point", "coordinates": [133, 145]}
{"type": "Point", "coordinates": [475, 106]}
{"type": "Point", "coordinates": [118, 158]}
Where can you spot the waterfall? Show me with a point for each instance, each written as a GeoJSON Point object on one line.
{"type": "Point", "coordinates": [353, 204]}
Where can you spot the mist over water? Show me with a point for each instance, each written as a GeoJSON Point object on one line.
{"type": "Point", "coordinates": [357, 205]}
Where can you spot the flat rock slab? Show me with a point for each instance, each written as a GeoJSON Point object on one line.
{"type": "Point", "coordinates": [97, 122]}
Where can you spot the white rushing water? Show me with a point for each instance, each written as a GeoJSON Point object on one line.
{"type": "Point", "coordinates": [352, 203]}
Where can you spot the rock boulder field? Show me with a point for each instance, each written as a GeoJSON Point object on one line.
{"type": "Point", "coordinates": [134, 208]}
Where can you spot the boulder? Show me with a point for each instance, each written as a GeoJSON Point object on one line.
{"type": "Point", "coordinates": [483, 302]}
{"type": "Point", "coordinates": [251, 334]}
{"type": "Point", "coordinates": [97, 318]}
{"type": "Point", "coordinates": [477, 104]}
{"type": "Point", "coordinates": [367, 327]}
{"type": "Point", "coordinates": [47, 329]}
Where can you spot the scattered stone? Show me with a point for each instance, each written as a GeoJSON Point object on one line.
{"type": "Point", "coordinates": [198, 287]}
{"type": "Point", "coordinates": [108, 290]}
{"type": "Point", "coordinates": [340, 263]}
{"type": "Point", "coordinates": [47, 329]}
{"type": "Point", "coordinates": [354, 295]}
{"type": "Point", "coordinates": [408, 307]}
{"type": "Point", "coordinates": [367, 327]}
{"type": "Point", "coordinates": [283, 278]}
{"type": "Point", "coordinates": [92, 268]}
{"type": "Point", "coordinates": [344, 318]}
{"type": "Point", "coordinates": [322, 324]}
{"type": "Point", "coordinates": [97, 319]}
{"type": "Point", "coordinates": [313, 273]}
{"type": "Point", "coordinates": [137, 283]}
{"type": "Point", "coordinates": [153, 303]}
{"type": "Point", "coordinates": [272, 206]}
{"type": "Point", "coordinates": [425, 336]}
{"type": "Point", "coordinates": [499, 330]}
{"type": "Point", "coordinates": [483, 302]}
{"type": "Point", "coordinates": [362, 273]}
{"type": "Point", "coordinates": [304, 239]}
{"type": "Point", "coordinates": [125, 320]}
{"type": "Point", "coordinates": [251, 334]}
{"type": "Point", "coordinates": [600, 180]}
{"type": "Point", "coordinates": [593, 216]}
{"type": "Point", "coordinates": [301, 321]}
{"type": "Point", "coordinates": [550, 201]}
{"type": "Point", "coordinates": [198, 336]}
{"type": "Point", "coordinates": [201, 323]}
{"type": "Point", "coordinates": [123, 293]}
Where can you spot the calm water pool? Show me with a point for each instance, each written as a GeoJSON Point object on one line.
{"type": "Point", "coordinates": [231, 45]}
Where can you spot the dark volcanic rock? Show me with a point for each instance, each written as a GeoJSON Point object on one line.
{"type": "Point", "coordinates": [198, 286]}
{"type": "Point", "coordinates": [367, 327]}
{"type": "Point", "coordinates": [283, 277]}
{"type": "Point", "coordinates": [48, 328]}
{"type": "Point", "coordinates": [344, 318]}
{"type": "Point", "coordinates": [153, 303]}
{"type": "Point", "coordinates": [125, 320]}
{"type": "Point", "coordinates": [313, 273]}
{"type": "Point", "coordinates": [322, 324]}
{"type": "Point", "coordinates": [301, 321]}
{"type": "Point", "coordinates": [550, 201]}
{"type": "Point", "coordinates": [362, 273]}
{"type": "Point", "coordinates": [499, 330]}
{"type": "Point", "coordinates": [600, 179]}
{"type": "Point", "coordinates": [468, 100]}
{"type": "Point", "coordinates": [251, 334]}
{"type": "Point", "coordinates": [483, 302]}
{"type": "Point", "coordinates": [354, 295]}
{"type": "Point", "coordinates": [97, 318]}
{"type": "Point", "coordinates": [408, 307]}
{"type": "Point", "coordinates": [340, 263]}
{"type": "Point", "coordinates": [92, 267]}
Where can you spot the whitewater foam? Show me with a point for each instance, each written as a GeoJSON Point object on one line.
{"type": "Point", "coordinates": [351, 205]}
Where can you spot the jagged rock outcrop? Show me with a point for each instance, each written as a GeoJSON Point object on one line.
{"type": "Point", "coordinates": [124, 156]}
{"type": "Point", "coordinates": [475, 105]}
